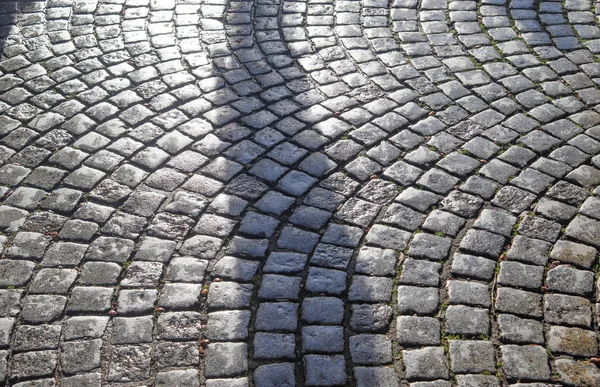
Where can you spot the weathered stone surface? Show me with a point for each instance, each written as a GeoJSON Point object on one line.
{"type": "Point", "coordinates": [295, 187]}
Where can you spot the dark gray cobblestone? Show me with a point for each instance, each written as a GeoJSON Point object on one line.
{"type": "Point", "coordinates": [282, 193]}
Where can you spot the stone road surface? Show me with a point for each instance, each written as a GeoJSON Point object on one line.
{"type": "Point", "coordinates": [299, 193]}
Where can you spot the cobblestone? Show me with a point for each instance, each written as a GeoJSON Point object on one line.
{"type": "Point", "coordinates": [262, 175]}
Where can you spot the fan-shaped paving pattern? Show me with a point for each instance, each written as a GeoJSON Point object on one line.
{"type": "Point", "coordinates": [278, 193]}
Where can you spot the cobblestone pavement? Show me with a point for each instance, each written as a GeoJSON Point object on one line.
{"type": "Point", "coordinates": [299, 193]}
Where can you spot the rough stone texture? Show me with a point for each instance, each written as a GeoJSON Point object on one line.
{"type": "Point", "coordinates": [525, 362]}
{"type": "Point", "coordinates": [263, 176]}
{"type": "Point", "coordinates": [572, 341]}
{"type": "Point", "coordinates": [427, 363]}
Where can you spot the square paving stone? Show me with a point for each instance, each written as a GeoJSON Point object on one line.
{"type": "Point", "coordinates": [30, 337]}
{"type": "Point", "coordinates": [591, 207]}
{"type": "Point", "coordinates": [211, 225]}
{"type": "Point", "coordinates": [426, 364]}
{"type": "Point", "coordinates": [28, 245]}
{"type": "Point", "coordinates": [458, 164]}
{"type": "Point", "coordinates": [370, 317]}
{"type": "Point", "coordinates": [332, 256]}
{"type": "Point", "coordinates": [374, 261]}
{"type": "Point", "coordinates": [585, 229]}
{"type": "Point", "coordinates": [480, 186]}
{"type": "Point", "coordinates": [11, 218]}
{"type": "Point", "coordinates": [404, 217]}
{"type": "Point", "coordinates": [417, 331]}
{"type": "Point", "coordinates": [532, 180]}
{"type": "Point", "coordinates": [129, 363]}
{"type": "Point", "coordinates": [513, 199]}
{"type": "Point", "coordinates": [469, 293]}
{"type": "Point", "coordinates": [110, 249]}
{"type": "Point", "coordinates": [177, 296]}
{"type": "Point", "coordinates": [482, 243]}
{"type": "Point", "coordinates": [322, 339]}
{"type": "Point", "coordinates": [142, 274]}
{"type": "Point", "coordinates": [370, 289]}
{"type": "Point", "coordinates": [85, 327]}
{"type": "Point", "coordinates": [236, 269]}
{"type": "Point", "coordinates": [33, 364]}
{"type": "Point", "coordinates": [471, 266]}
{"type": "Point", "coordinates": [15, 272]}
{"type": "Point", "coordinates": [133, 330]}
{"type": "Point", "coordinates": [358, 212]}
{"type": "Point", "coordinates": [539, 228]}
{"type": "Point", "coordinates": [550, 167]}
{"type": "Point", "coordinates": [418, 199]}
{"type": "Point", "coordinates": [472, 356]}
{"type": "Point", "coordinates": [462, 204]}
{"type": "Point", "coordinates": [179, 326]}
{"type": "Point", "coordinates": [467, 321]}
{"type": "Point", "coordinates": [90, 299]}
{"type": "Point", "coordinates": [321, 198]}
{"type": "Point", "coordinates": [274, 346]}
{"type": "Point", "coordinates": [310, 217]}
{"type": "Point", "coordinates": [327, 281]}
{"type": "Point", "coordinates": [567, 192]}
{"type": "Point", "coordinates": [378, 191]}
{"type": "Point", "coordinates": [370, 349]}
{"type": "Point", "coordinates": [585, 175]}
{"type": "Point", "coordinates": [380, 376]}
{"type": "Point", "coordinates": [388, 237]}
{"type": "Point", "coordinates": [573, 372]}
{"type": "Point", "coordinates": [186, 269]}
{"type": "Point", "coordinates": [258, 225]}
{"type": "Point", "coordinates": [525, 362]}
{"type": "Point", "coordinates": [53, 281]}
{"type": "Point", "coordinates": [429, 246]}
{"type": "Point", "coordinates": [285, 262]}
{"type": "Point", "coordinates": [279, 374]}
{"type": "Point", "coordinates": [80, 356]}
{"type": "Point", "coordinates": [226, 360]}
{"type": "Point", "coordinates": [566, 279]}
{"type": "Point", "coordinates": [178, 377]}
{"type": "Point", "coordinates": [575, 253]}
{"type": "Point", "coordinates": [275, 286]}
{"type": "Point", "coordinates": [518, 156]}
{"type": "Point", "coordinates": [496, 221]}
{"type": "Point", "coordinates": [568, 310]}
{"type": "Point", "coordinates": [325, 370]}
{"type": "Point", "coordinates": [514, 329]}
{"type": "Point", "coordinates": [99, 273]}
{"type": "Point", "coordinates": [555, 210]}
{"type": "Point", "coordinates": [323, 310]}
{"type": "Point", "coordinates": [572, 341]}
{"type": "Point", "coordinates": [420, 272]}
{"type": "Point", "coordinates": [277, 316]}
{"type": "Point", "coordinates": [529, 250]}
{"type": "Point", "coordinates": [519, 275]}
{"type": "Point", "coordinates": [202, 246]}
{"type": "Point", "coordinates": [418, 300]}
{"type": "Point", "coordinates": [438, 181]}
{"type": "Point", "coordinates": [518, 302]}
{"type": "Point", "coordinates": [132, 302]}
{"type": "Point", "coordinates": [296, 239]}
{"type": "Point", "coordinates": [342, 235]}
{"type": "Point", "coordinates": [229, 295]}
{"type": "Point", "coordinates": [445, 222]}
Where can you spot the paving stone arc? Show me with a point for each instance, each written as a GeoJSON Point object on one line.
{"type": "Point", "coordinates": [299, 193]}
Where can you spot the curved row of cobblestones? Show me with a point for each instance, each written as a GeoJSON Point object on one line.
{"type": "Point", "coordinates": [298, 193]}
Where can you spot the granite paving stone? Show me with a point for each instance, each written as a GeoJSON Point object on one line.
{"type": "Point", "coordinates": [298, 193]}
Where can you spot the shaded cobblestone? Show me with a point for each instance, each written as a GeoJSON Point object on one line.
{"type": "Point", "coordinates": [227, 194]}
